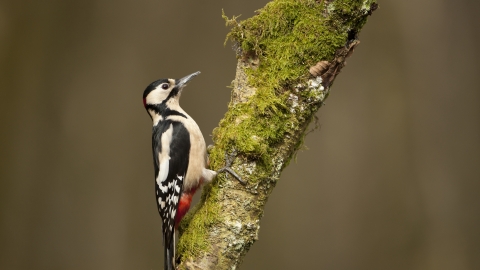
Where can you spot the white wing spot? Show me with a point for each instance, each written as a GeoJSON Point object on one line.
{"type": "Point", "coordinates": [164, 189]}
{"type": "Point", "coordinates": [163, 156]}
{"type": "Point", "coordinates": [163, 170]}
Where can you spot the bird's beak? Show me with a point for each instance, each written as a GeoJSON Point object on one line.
{"type": "Point", "coordinates": [180, 83]}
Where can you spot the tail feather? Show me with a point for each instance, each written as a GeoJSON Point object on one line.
{"type": "Point", "coordinates": [169, 252]}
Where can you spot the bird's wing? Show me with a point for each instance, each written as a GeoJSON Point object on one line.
{"type": "Point", "coordinates": [171, 153]}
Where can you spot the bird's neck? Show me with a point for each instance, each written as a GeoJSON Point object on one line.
{"type": "Point", "coordinates": [160, 112]}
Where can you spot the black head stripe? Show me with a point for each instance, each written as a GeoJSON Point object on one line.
{"type": "Point", "coordinates": [172, 93]}
{"type": "Point", "coordinates": [160, 109]}
{"type": "Point", "coordinates": [153, 86]}
{"type": "Point", "coordinates": [163, 110]}
{"type": "Point", "coordinates": [173, 112]}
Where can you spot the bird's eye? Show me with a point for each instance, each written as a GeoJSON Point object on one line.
{"type": "Point", "coordinates": [165, 86]}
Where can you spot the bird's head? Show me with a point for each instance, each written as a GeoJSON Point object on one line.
{"type": "Point", "coordinates": [163, 92]}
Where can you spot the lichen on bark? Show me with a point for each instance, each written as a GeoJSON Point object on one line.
{"type": "Point", "coordinates": [274, 99]}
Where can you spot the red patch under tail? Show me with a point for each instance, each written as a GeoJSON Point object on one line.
{"type": "Point", "coordinates": [184, 205]}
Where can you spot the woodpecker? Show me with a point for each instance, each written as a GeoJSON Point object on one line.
{"type": "Point", "coordinates": [179, 157]}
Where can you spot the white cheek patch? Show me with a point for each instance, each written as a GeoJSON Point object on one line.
{"type": "Point", "coordinates": [158, 95]}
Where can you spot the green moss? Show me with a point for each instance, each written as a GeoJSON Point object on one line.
{"type": "Point", "coordinates": [193, 239]}
{"type": "Point", "coordinates": [349, 14]}
{"type": "Point", "coordinates": [259, 123]}
{"type": "Point", "coordinates": [287, 37]}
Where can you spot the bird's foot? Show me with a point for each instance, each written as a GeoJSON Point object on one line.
{"type": "Point", "coordinates": [229, 158]}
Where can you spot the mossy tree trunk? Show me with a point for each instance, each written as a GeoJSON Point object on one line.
{"type": "Point", "coordinates": [288, 56]}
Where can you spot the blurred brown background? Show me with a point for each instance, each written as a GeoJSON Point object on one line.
{"type": "Point", "coordinates": [390, 180]}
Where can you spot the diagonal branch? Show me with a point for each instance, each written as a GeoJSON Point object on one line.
{"type": "Point", "coordinates": [288, 57]}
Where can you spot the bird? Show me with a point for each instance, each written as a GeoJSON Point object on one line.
{"type": "Point", "coordinates": [179, 157]}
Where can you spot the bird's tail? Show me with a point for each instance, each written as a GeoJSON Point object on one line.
{"type": "Point", "coordinates": [169, 252]}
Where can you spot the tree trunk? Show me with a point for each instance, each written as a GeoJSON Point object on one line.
{"type": "Point", "coordinates": [288, 57]}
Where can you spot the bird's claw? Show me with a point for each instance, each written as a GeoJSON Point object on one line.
{"type": "Point", "coordinates": [229, 158]}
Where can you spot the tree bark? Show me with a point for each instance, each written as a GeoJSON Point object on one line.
{"type": "Point", "coordinates": [288, 57]}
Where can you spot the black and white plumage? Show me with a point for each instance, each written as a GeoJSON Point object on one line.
{"type": "Point", "coordinates": [179, 155]}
